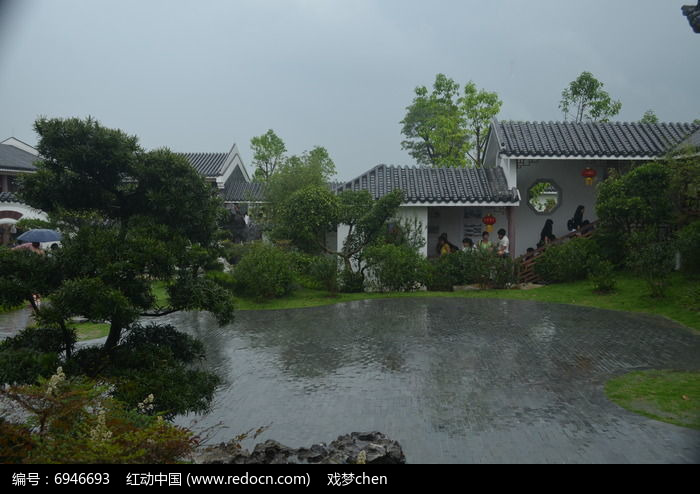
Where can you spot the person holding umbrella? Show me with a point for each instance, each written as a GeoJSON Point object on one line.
{"type": "Point", "coordinates": [33, 239]}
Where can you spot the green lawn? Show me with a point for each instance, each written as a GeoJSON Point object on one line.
{"type": "Point", "coordinates": [669, 396]}
{"type": "Point", "coordinates": [94, 330]}
{"type": "Point", "coordinates": [630, 295]}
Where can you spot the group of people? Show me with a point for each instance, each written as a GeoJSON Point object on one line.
{"type": "Point", "coordinates": [575, 224]}
{"type": "Point", "coordinates": [501, 246]}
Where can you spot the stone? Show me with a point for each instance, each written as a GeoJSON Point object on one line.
{"type": "Point", "coordinates": [377, 448]}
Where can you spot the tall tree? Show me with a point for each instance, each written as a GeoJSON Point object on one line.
{"type": "Point", "coordinates": [585, 100]}
{"type": "Point", "coordinates": [479, 108]}
{"type": "Point", "coordinates": [313, 211]}
{"type": "Point", "coordinates": [649, 117]}
{"type": "Point", "coordinates": [444, 129]}
{"type": "Point", "coordinates": [129, 217]}
{"type": "Point", "coordinates": [268, 154]}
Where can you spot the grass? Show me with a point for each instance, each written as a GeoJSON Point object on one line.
{"type": "Point", "coordinates": [669, 396]}
{"type": "Point", "coordinates": [631, 295]}
{"type": "Point", "coordinates": [93, 330]}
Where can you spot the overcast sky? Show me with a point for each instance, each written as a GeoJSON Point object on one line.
{"type": "Point", "coordinates": [201, 75]}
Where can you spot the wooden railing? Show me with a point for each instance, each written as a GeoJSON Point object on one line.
{"type": "Point", "coordinates": [527, 272]}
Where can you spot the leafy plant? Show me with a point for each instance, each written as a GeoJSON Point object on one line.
{"type": "Point", "coordinates": [77, 421]}
{"type": "Point", "coordinates": [264, 272]}
{"type": "Point", "coordinates": [653, 261]}
{"type": "Point", "coordinates": [395, 267]}
{"type": "Point", "coordinates": [602, 274]}
{"type": "Point", "coordinates": [689, 247]}
{"type": "Point", "coordinates": [570, 261]}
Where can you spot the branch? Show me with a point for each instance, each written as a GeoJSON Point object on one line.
{"type": "Point", "coordinates": [160, 311]}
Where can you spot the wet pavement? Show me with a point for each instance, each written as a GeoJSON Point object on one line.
{"type": "Point", "coordinates": [12, 322]}
{"type": "Point", "coordinates": [453, 380]}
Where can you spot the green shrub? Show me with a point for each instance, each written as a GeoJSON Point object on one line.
{"type": "Point", "coordinates": [264, 272]}
{"type": "Point", "coordinates": [324, 271]}
{"type": "Point", "coordinates": [224, 280]}
{"type": "Point", "coordinates": [351, 281]}
{"type": "Point", "coordinates": [602, 274]}
{"type": "Point", "coordinates": [569, 261]}
{"type": "Point", "coordinates": [689, 246]}
{"type": "Point", "coordinates": [395, 267]}
{"type": "Point", "coordinates": [490, 270]}
{"type": "Point", "coordinates": [32, 353]}
{"type": "Point", "coordinates": [442, 273]}
{"type": "Point", "coordinates": [76, 421]}
{"type": "Point", "coordinates": [317, 272]}
{"type": "Point", "coordinates": [653, 261]}
{"type": "Point", "coordinates": [233, 252]}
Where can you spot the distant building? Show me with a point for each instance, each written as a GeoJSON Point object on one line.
{"type": "Point", "coordinates": [693, 15]}
{"type": "Point", "coordinates": [547, 159]}
{"type": "Point", "coordinates": [16, 159]}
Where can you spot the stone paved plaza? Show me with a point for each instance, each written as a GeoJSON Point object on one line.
{"type": "Point", "coordinates": [453, 380]}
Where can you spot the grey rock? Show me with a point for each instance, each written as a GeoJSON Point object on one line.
{"type": "Point", "coordinates": [345, 449]}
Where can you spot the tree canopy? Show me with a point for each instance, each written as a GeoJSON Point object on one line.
{"type": "Point", "coordinates": [649, 117]}
{"type": "Point", "coordinates": [444, 129]}
{"type": "Point", "coordinates": [586, 101]}
{"type": "Point", "coordinates": [268, 154]}
{"type": "Point", "coordinates": [314, 210]}
{"type": "Point", "coordinates": [128, 217]}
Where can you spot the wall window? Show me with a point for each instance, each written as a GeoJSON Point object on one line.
{"type": "Point", "coordinates": [544, 196]}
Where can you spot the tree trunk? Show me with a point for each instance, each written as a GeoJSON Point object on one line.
{"type": "Point", "coordinates": [115, 333]}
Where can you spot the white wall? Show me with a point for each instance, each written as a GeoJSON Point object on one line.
{"type": "Point", "coordinates": [420, 212]}
{"type": "Point", "coordinates": [23, 209]}
{"type": "Point", "coordinates": [567, 175]}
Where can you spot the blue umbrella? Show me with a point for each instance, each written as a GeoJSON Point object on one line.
{"type": "Point", "coordinates": [40, 235]}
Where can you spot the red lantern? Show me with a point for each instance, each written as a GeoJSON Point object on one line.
{"type": "Point", "coordinates": [589, 174]}
{"type": "Point", "coordinates": [489, 220]}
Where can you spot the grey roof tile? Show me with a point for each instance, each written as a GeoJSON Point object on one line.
{"type": "Point", "coordinates": [12, 158]}
{"type": "Point", "coordinates": [237, 191]}
{"type": "Point", "coordinates": [207, 164]}
{"type": "Point", "coordinates": [569, 139]}
{"type": "Point", "coordinates": [8, 197]}
{"type": "Point", "coordinates": [436, 185]}
{"type": "Point", "coordinates": [693, 15]}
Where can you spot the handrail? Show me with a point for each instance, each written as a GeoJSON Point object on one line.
{"type": "Point", "coordinates": [527, 272]}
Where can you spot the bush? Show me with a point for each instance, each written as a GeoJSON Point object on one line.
{"type": "Point", "coordinates": [569, 261]}
{"type": "Point", "coordinates": [153, 359]}
{"type": "Point", "coordinates": [689, 246]}
{"type": "Point", "coordinates": [76, 421]}
{"type": "Point", "coordinates": [351, 281]}
{"type": "Point", "coordinates": [224, 280]}
{"type": "Point", "coordinates": [32, 353]}
{"type": "Point", "coordinates": [395, 267]}
{"type": "Point", "coordinates": [317, 272]}
{"type": "Point", "coordinates": [491, 270]}
{"type": "Point", "coordinates": [653, 261]}
{"type": "Point", "coordinates": [441, 274]}
{"type": "Point", "coordinates": [233, 252]}
{"type": "Point", "coordinates": [602, 274]}
{"type": "Point", "coordinates": [264, 272]}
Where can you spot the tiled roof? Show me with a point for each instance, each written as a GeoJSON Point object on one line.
{"type": "Point", "coordinates": [207, 164]}
{"type": "Point", "coordinates": [567, 139]}
{"type": "Point", "coordinates": [8, 197]}
{"type": "Point", "coordinates": [693, 15]}
{"type": "Point", "coordinates": [236, 191]}
{"type": "Point", "coordinates": [13, 158]}
{"type": "Point", "coordinates": [436, 185]}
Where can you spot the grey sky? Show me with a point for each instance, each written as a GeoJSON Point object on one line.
{"type": "Point", "coordinates": [200, 75]}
